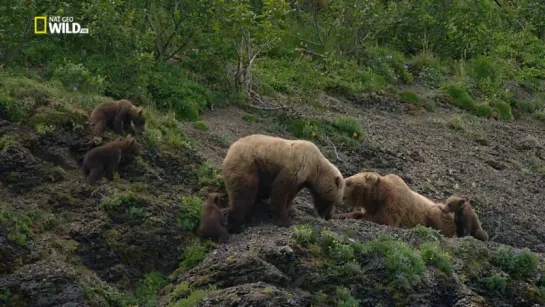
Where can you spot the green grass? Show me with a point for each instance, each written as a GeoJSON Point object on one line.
{"type": "Point", "coordinates": [519, 264]}
{"type": "Point", "coordinates": [190, 212]}
{"type": "Point", "coordinates": [194, 254]}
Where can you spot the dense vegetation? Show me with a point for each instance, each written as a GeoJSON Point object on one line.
{"type": "Point", "coordinates": [186, 55]}
{"type": "Point", "coordinates": [178, 59]}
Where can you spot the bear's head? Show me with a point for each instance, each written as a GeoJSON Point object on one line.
{"type": "Point", "coordinates": [328, 192]}
{"type": "Point", "coordinates": [360, 187]}
{"type": "Point", "coordinates": [139, 119]}
{"type": "Point", "coordinates": [454, 204]}
{"type": "Point", "coordinates": [129, 146]}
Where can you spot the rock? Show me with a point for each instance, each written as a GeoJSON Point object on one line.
{"type": "Point", "coordinates": [257, 294]}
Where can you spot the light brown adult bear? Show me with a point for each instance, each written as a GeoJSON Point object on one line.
{"type": "Point", "coordinates": [117, 115]}
{"type": "Point", "coordinates": [260, 166]}
{"type": "Point", "coordinates": [103, 160]}
{"type": "Point", "coordinates": [211, 225]}
{"type": "Point", "coordinates": [388, 200]}
{"type": "Point", "coordinates": [467, 221]}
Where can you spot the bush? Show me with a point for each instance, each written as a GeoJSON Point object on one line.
{"type": "Point", "coordinates": [411, 97]}
{"type": "Point", "coordinates": [518, 264]}
{"type": "Point", "coordinates": [194, 254]}
{"type": "Point", "coordinates": [190, 212]}
{"type": "Point", "coordinates": [483, 110]}
{"type": "Point", "coordinates": [433, 254]}
{"type": "Point", "coordinates": [503, 107]}
{"type": "Point", "coordinates": [460, 96]}
{"type": "Point", "coordinates": [496, 282]}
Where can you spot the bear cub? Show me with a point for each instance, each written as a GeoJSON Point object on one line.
{"type": "Point", "coordinates": [103, 160]}
{"type": "Point", "coordinates": [117, 115]}
{"type": "Point", "coordinates": [467, 222]}
{"type": "Point", "coordinates": [211, 225]}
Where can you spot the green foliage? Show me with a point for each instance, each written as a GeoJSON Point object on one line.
{"type": "Point", "coordinates": [460, 96]}
{"type": "Point", "coordinates": [210, 175]}
{"type": "Point", "coordinates": [148, 288]}
{"type": "Point", "coordinates": [7, 142]}
{"type": "Point", "coordinates": [193, 296]}
{"type": "Point", "coordinates": [426, 233]}
{"type": "Point", "coordinates": [190, 212]}
{"type": "Point", "coordinates": [250, 118]}
{"type": "Point", "coordinates": [483, 110]}
{"type": "Point", "coordinates": [344, 298]}
{"type": "Point", "coordinates": [304, 235]}
{"type": "Point", "coordinates": [404, 265]}
{"type": "Point", "coordinates": [411, 97]}
{"type": "Point", "coordinates": [519, 264]}
{"type": "Point", "coordinates": [4, 295]}
{"type": "Point", "coordinates": [78, 78]}
{"type": "Point", "coordinates": [200, 125]}
{"type": "Point", "coordinates": [503, 107]}
{"type": "Point", "coordinates": [194, 254]}
{"type": "Point", "coordinates": [348, 125]}
{"type": "Point", "coordinates": [18, 226]}
{"type": "Point", "coordinates": [433, 254]}
{"type": "Point", "coordinates": [496, 282]}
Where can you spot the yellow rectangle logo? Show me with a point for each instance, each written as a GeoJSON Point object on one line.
{"type": "Point", "coordinates": [36, 18]}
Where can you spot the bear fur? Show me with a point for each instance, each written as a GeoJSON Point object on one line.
{"type": "Point", "coordinates": [467, 221]}
{"type": "Point", "coordinates": [117, 115]}
{"type": "Point", "coordinates": [103, 160]}
{"type": "Point", "coordinates": [388, 200]}
{"type": "Point", "coordinates": [259, 166]}
{"type": "Point", "coordinates": [211, 225]}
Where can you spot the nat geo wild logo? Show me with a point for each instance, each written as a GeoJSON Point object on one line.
{"type": "Point", "coordinates": [57, 25]}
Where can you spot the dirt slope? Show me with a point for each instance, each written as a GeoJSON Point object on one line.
{"type": "Point", "coordinates": [87, 243]}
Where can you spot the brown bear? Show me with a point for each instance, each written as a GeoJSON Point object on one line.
{"type": "Point", "coordinates": [211, 225]}
{"type": "Point", "coordinates": [260, 166]}
{"type": "Point", "coordinates": [467, 221]}
{"type": "Point", "coordinates": [117, 115]}
{"type": "Point", "coordinates": [389, 201]}
{"type": "Point", "coordinates": [438, 219]}
{"type": "Point", "coordinates": [102, 161]}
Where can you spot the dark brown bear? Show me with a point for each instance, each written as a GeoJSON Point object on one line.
{"type": "Point", "coordinates": [467, 221]}
{"type": "Point", "coordinates": [103, 160]}
{"type": "Point", "coordinates": [211, 225]}
{"type": "Point", "coordinates": [117, 115]}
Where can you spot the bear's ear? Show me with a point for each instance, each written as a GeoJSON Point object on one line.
{"type": "Point", "coordinates": [140, 111]}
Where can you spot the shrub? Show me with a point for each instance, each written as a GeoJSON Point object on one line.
{"type": "Point", "coordinates": [483, 110]}
{"type": "Point", "coordinates": [190, 212]}
{"type": "Point", "coordinates": [195, 254]}
{"type": "Point", "coordinates": [433, 254]}
{"type": "Point", "coordinates": [518, 264]}
{"type": "Point", "coordinates": [411, 97]}
{"type": "Point", "coordinates": [460, 96]}
{"type": "Point", "coordinates": [200, 125]}
{"type": "Point", "coordinates": [210, 175]}
{"type": "Point", "coordinates": [148, 288]}
{"type": "Point", "coordinates": [348, 125]}
{"type": "Point", "coordinates": [496, 282]}
{"type": "Point", "coordinates": [344, 298]}
{"type": "Point", "coordinates": [503, 107]}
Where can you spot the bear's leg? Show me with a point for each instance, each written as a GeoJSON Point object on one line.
{"type": "Point", "coordinates": [109, 174]}
{"type": "Point", "coordinates": [118, 125]}
{"type": "Point", "coordinates": [99, 127]}
{"type": "Point", "coordinates": [128, 127]}
{"type": "Point", "coordinates": [95, 175]}
{"type": "Point", "coordinates": [283, 191]}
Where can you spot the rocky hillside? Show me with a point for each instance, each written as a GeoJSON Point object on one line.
{"type": "Point", "coordinates": [131, 242]}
